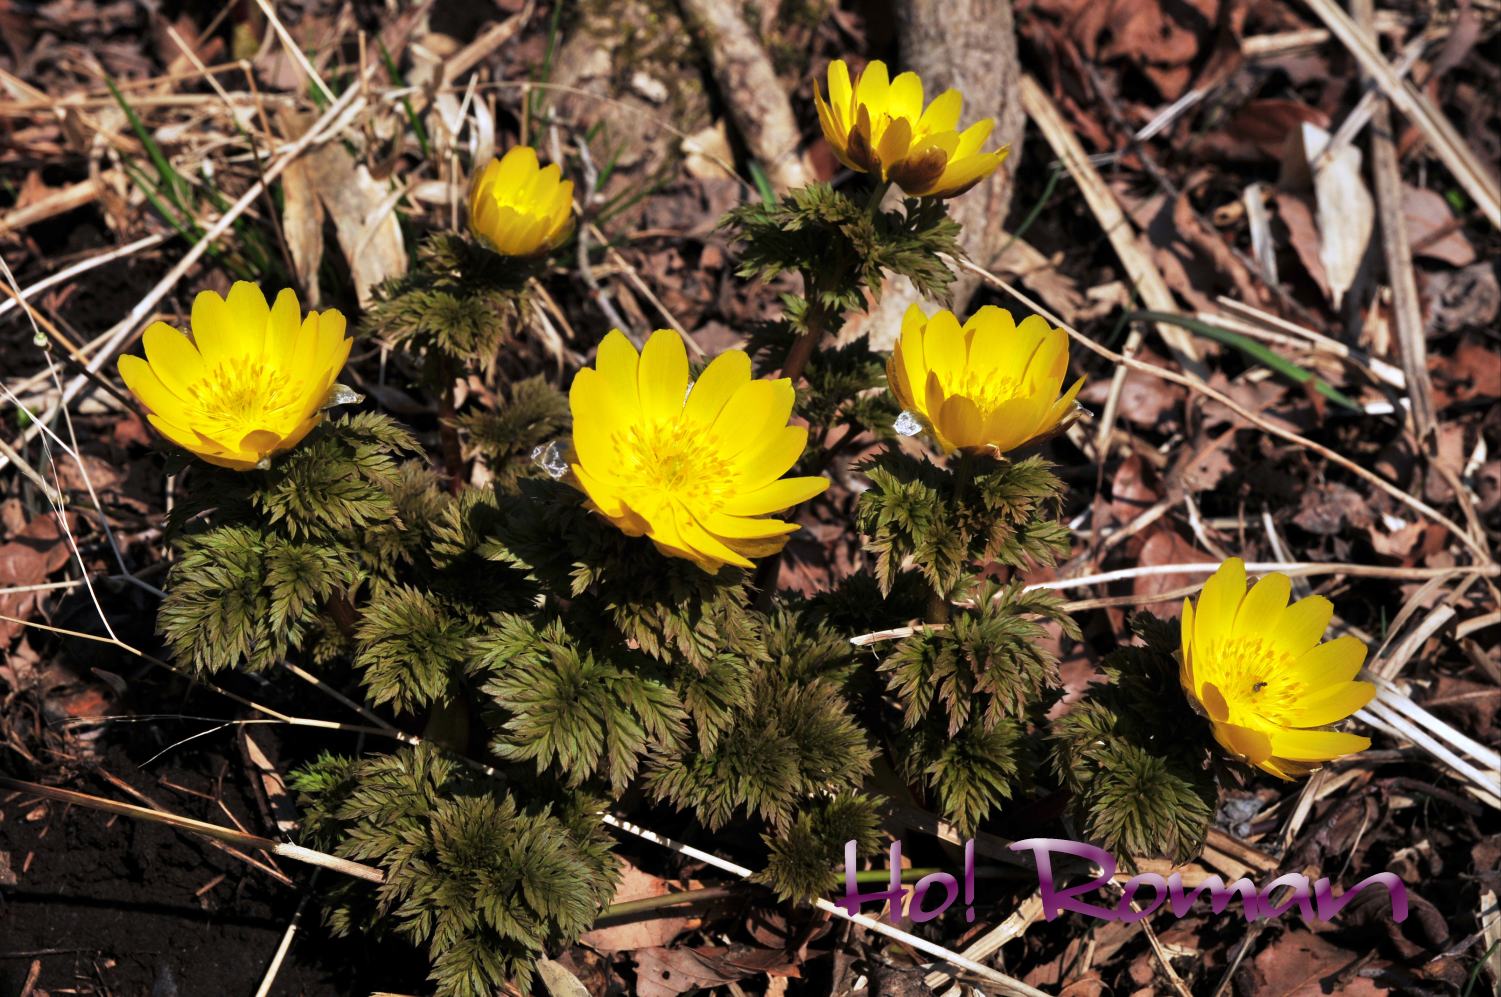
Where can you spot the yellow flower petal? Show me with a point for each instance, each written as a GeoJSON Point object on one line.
{"type": "Point", "coordinates": [1014, 422]}
{"type": "Point", "coordinates": [283, 326]}
{"type": "Point", "coordinates": [962, 173]}
{"type": "Point", "coordinates": [596, 416]}
{"type": "Point", "coordinates": [720, 380]}
{"type": "Point", "coordinates": [1263, 606]}
{"type": "Point", "coordinates": [841, 93]}
{"type": "Point", "coordinates": [706, 545]}
{"type": "Point", "coordinates": [1303, 624]}
{"type": "Point", "coordinates": [149, 389]}
{"type": "Point", "coordinates": [779, 495]}
{"type": "Point", "coordinates": [1316, 745]}
{"type": "Point", "coordinates": [944, 349]}
{"type": "Point", "coordinates": [1214, 702]}
{"type": "Point", "coordinates": [943, 114]}
{"type": "Point", "coordinates": [746, 528]}
{"type": "Point", "coordinates": [516, 166]}
{"type": "Point", "coordinates": [173, 358]}
{"type": "Point", "coordinates": [1185, 651]}
{"type": "Point", "coordinates": [662, 376]}
{"type": "Point", "coordinates": [601, 493]}
{"type": "Point", "coordinates": [961, 422]}
{"type": "Point", "coordinates": [872, 87]}
{"type": "Point", "coordinates": [756, 409]}
{"type": "Point", "coordinates": [892, 147]}
{"type": "Point", "coordinates": [905, 97]}
{"type": "Point", "coordinates": [249, 314]}
{"type": "Point", "coordinates": [1253, 745]}
{"type": "Point", "coordinates": [1337, 661]}
{"type": "Point", "coordinates": [1060, 410]}
{"type": "Point", "coordinates": [1332, 704]}
{"type": "Point", "coordinates": [216, 334]}
{"type": "Point", "coordinates": [763, 463]}
{"type": "Point", "coordinates": [1214, 616]}
{"type": "Point", "coordinates": [973, 137]}
{"type": "Point", "coordinates": [616, 362]}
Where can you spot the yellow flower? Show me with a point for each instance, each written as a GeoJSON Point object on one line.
{"type": "Point", "coordinates": [250, 382]}
{"type": "Point", "coordinates": [695, 467]}
{"type": "Point", "coordinates": [880, 126]}
{"type": "Point", "coordinates": [1255, 666]}
{"type": "Point", "coordinates": [519, 208]}
{"type": "Point", "coordinates": [991, 384]}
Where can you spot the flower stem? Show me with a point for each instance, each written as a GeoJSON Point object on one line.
{"type": "Point", "coordinates": [803, 347]}
{"type": "Point", "coordinates": [964, 471]}
{"type": "Point", "coordinates": [448, 430]}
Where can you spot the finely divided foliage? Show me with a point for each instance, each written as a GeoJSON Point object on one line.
{"type": "Point", "coordinates": [595, 631]}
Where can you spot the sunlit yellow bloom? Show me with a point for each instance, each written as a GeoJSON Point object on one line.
{"type": "Point", "coordinates": [1254, 665]}
{"type": "Point", "coordinates": [697, 467]}
{"type": "Point", "coordinates": [879, 125]}
{"type": "Point", "coordinates": [251, 381]}
{"type": "Point", "coordinates": [988, 385]}
{"type": "Point", "coordinates": [519, 207]}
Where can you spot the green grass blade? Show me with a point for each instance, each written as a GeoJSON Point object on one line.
{"type": "Point", "coordinates": [1256, 351]}
{"type": "Point", "coordinates": [406, 104]}
{"type": "Point", "coordinates": [763, 184]}
{"type": "Point", "coordinates": [176, 187]}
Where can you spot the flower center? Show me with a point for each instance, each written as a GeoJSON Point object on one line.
{"type": "Point", "coordinates": [233, 399]}
{"type": "Point", "coordinates": [988, 392]}
{"type": "Point", "coordinates": [1258, 679]}
{"type": "Point", "coordinates": [668, 461]}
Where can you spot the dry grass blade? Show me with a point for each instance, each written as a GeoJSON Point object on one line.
{"type": "Point", "coordinates": [1407, 310]}
{"type": "Point", "coordinates": [1140, 269]}
{"type": "Point", "coordinates": [1003, 984]}
{"type": "Point", "coordinates": [1266, 425]}
{"type": "Point", "coordinates": [1445, 139]}
{"type": "Point", "coordinates": [227, 835]}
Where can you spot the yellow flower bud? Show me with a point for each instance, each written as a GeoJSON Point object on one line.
{"type": "Point", "coordinates": [520, 208]}
{"type": "Point", "coordinates": [988, 385]}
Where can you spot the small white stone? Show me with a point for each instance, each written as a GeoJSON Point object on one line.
{"type": "Point", "coordinates": [907, 424]}
{"type": "Point", "coordinates": [342, 394]}
{"type": "Point", "coordinates": [552, 458]}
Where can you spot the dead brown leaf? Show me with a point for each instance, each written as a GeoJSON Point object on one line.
{"type": "Point", "coordinates": [1300, 964]}
{"type": "Point", "coordinates": [649, 932]}
{"type": "Point", "coordinates": [1295, 211]}
{"type": "Point", "coordinates": [662, 972]}
{"type": "Point", "coordinates": [1166, 546]}
{"type": "Point", "coordinates": [1326, 508]}
{"type": "Point", "coordinates": [1432, 228]}
{"type": "Point", "coordinates": [36, 552]}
